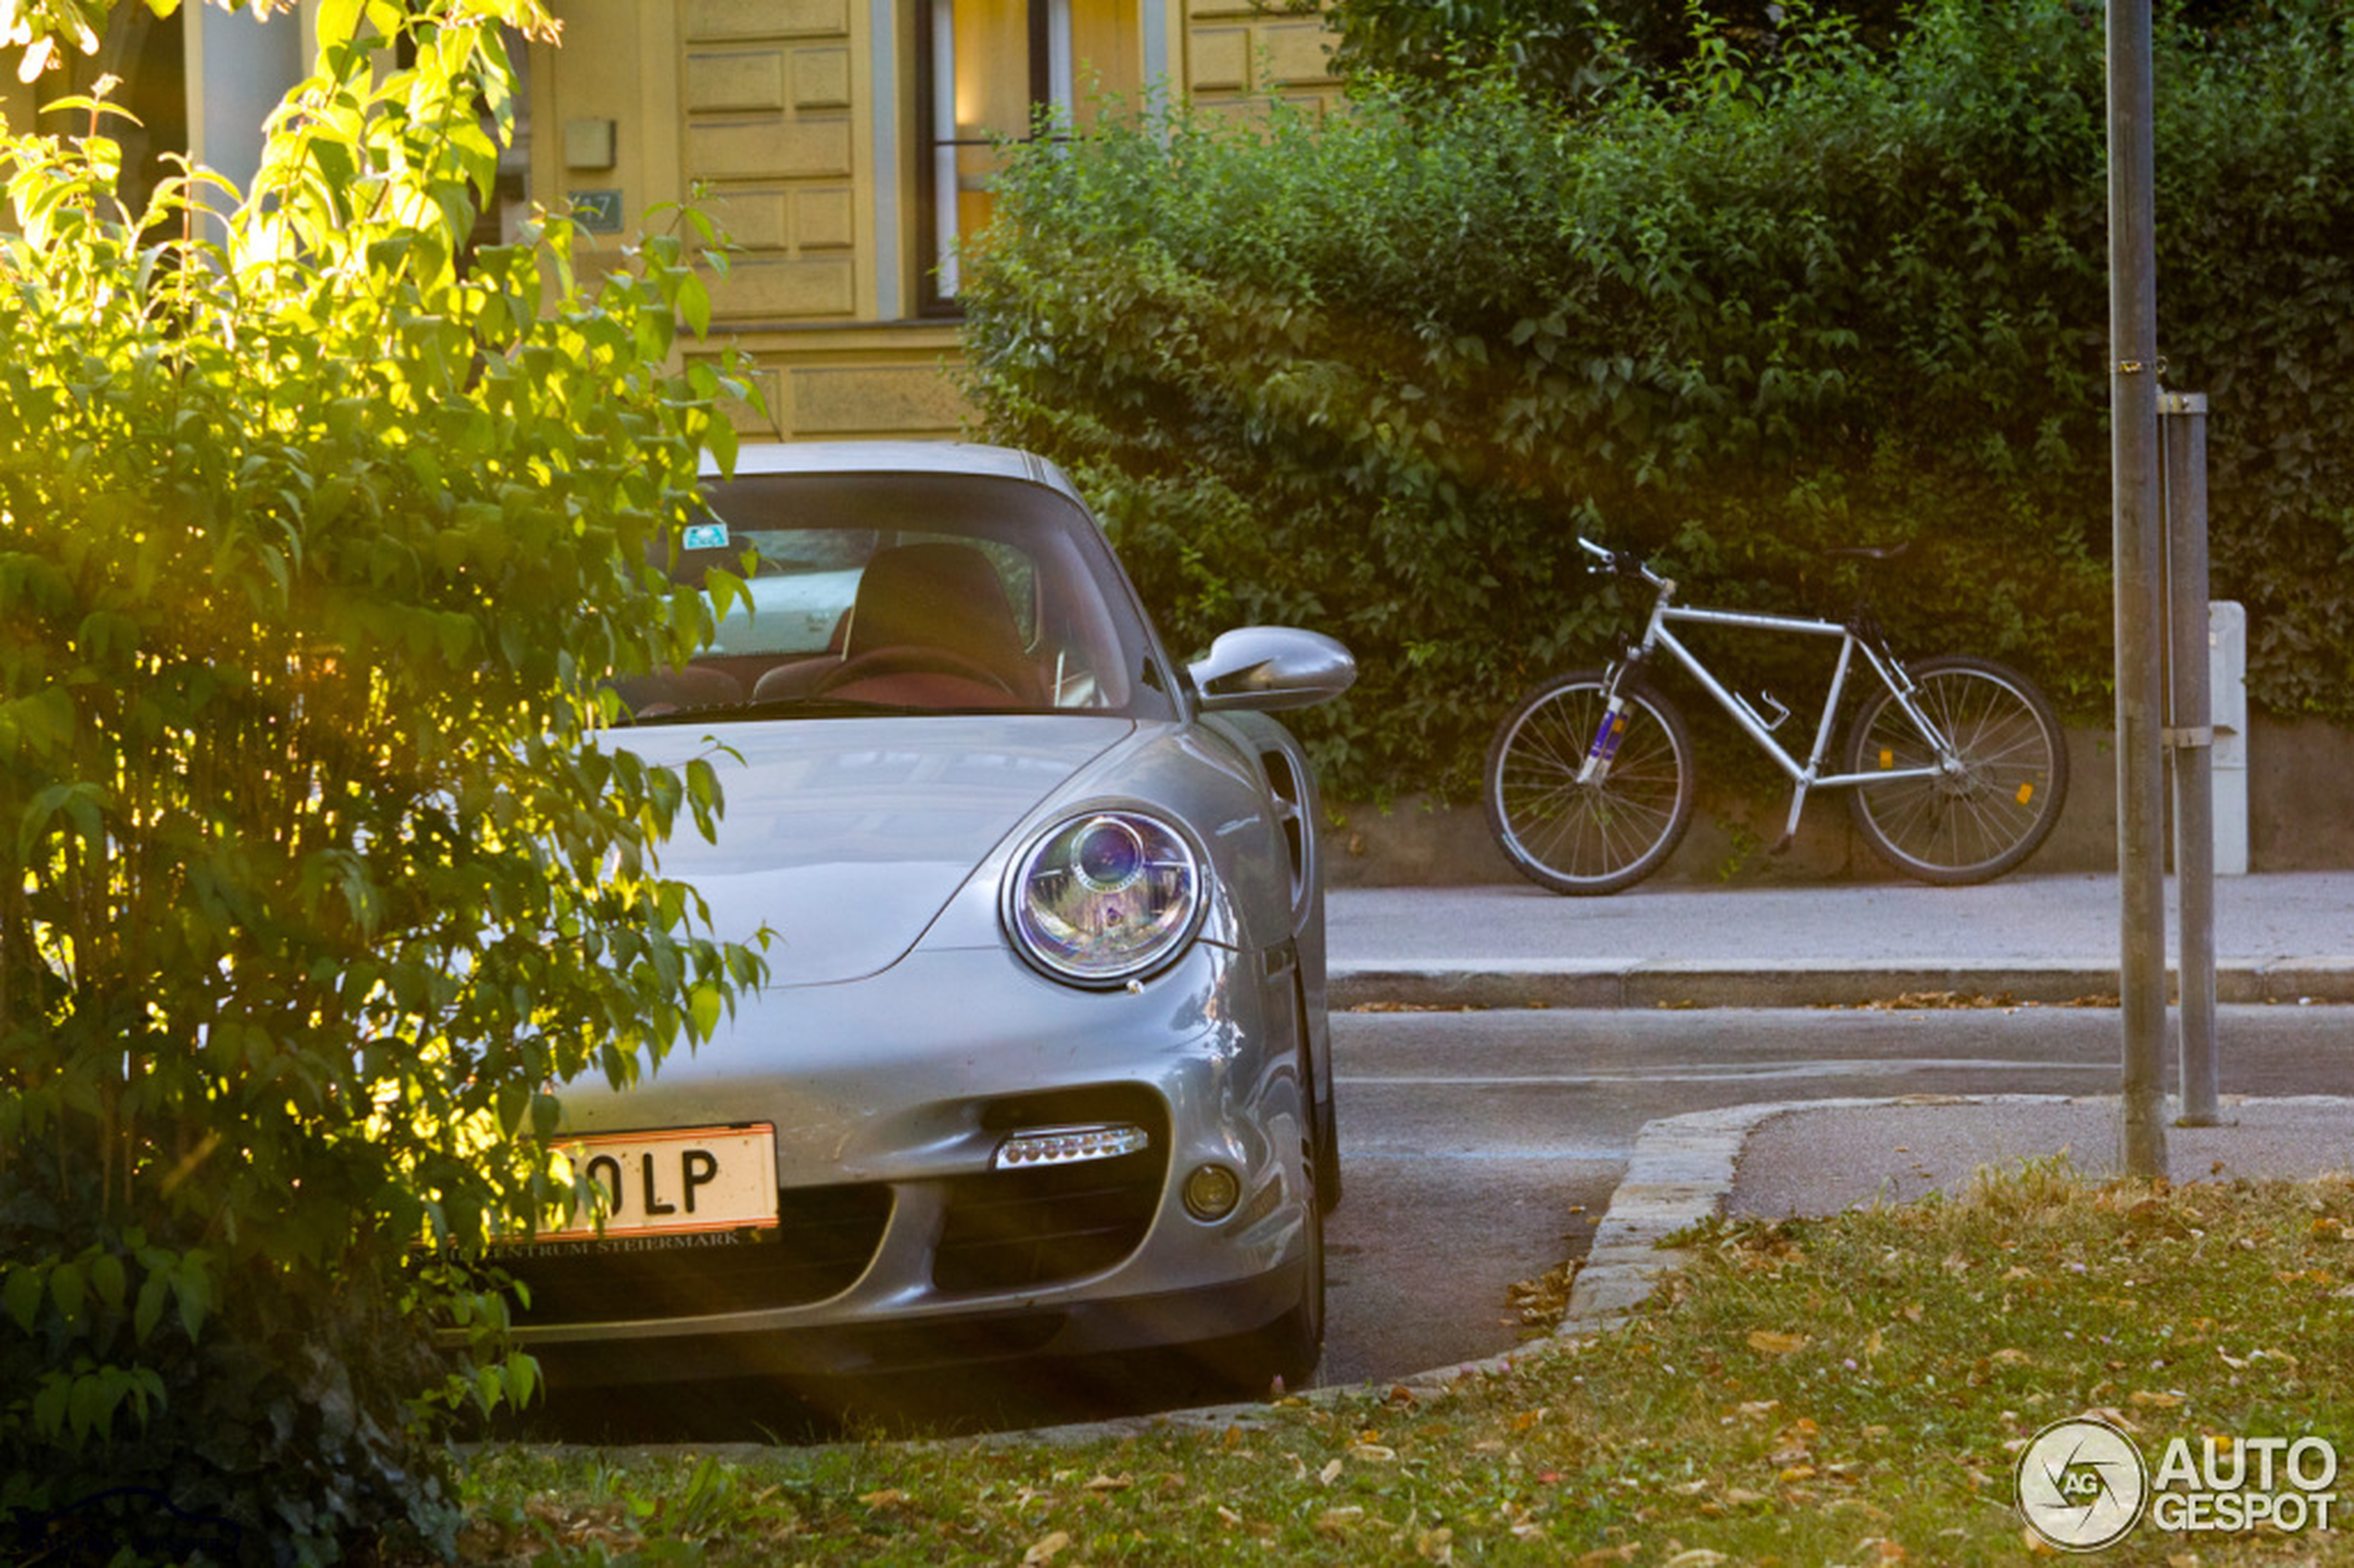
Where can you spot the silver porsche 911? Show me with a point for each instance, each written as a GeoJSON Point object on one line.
{"type": "Point", "coordinates": [1042, 1065]}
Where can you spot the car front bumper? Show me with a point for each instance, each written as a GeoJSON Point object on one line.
{"type": "Point", "coordinates": [902, 1247]}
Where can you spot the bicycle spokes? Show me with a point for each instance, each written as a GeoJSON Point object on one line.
{"type": "Point", "coordinates": [1585, 795]}
{"type": "Point", "coordinates": [1984, 784]}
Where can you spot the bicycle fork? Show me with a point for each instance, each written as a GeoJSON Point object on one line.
{"type": "Point", "coordinates": [1607, 735]}
{"type": "Point", "coordinates": [1603, 750]}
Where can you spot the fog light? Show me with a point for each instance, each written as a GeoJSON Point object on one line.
{"type": "Point", "coordinates": [1068, 1145]}
{"type": "Point", "coordinates": [1211, 1192]}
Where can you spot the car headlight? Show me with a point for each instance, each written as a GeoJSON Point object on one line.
{"type": "Point", "coordinates": [1106, 897]}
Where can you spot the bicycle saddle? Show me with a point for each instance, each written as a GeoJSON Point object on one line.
{"type": "Point", "coordinates": [1867, 552]}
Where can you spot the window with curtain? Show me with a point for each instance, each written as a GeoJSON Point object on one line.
{"type": "Point", "coordinates": [990, 69]}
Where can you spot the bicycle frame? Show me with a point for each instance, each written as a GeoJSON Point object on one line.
{"type": "Point", "coordinates": [1803, 776]}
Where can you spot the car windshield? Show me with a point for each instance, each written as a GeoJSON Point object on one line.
{"type": "Point", "coordinates": [904, 592]}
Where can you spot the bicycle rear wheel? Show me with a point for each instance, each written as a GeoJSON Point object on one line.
{"type": "Point", "coordinates": [1579, 838]}
{"type": "Point", "coordinates": [1989, 807]}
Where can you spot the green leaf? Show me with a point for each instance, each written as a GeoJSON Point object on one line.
{"type": "Point", "coordinates": [705, 1003]}
{"type": "Point", "coordinates": [338, 20]}
{"type": "Point", "coordinates": [694, 305]}
{"type": "Point", "coordinates": [154, 1293]}
{"type": "Point", "coordinates": [108, 1281]}
{"type": "Point", "coordinates": [68, 1288]}
{"type": "Point", "coordinates": [20, 1292]}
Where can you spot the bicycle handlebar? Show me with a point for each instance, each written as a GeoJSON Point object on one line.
{"type": "Point", "coordinates": [1625, 563]}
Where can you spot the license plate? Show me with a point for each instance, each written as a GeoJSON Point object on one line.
{"type": "Point", "coordinates": [677, 1181]}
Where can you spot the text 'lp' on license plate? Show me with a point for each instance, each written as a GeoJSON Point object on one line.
{"type": "Point", "coordinates": [677, 1181]}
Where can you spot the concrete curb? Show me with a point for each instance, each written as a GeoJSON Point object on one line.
{"type": "Point", "coordinates": [1679, 1175]}
{"type": "Point", "coordinates": [1606, 983]}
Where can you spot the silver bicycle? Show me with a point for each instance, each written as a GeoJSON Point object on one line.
{"type": "Point", "coordinates": [1955, 766]}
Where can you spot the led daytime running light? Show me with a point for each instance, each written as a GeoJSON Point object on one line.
{"type": "Point", "coordinates": [1069, 1145]}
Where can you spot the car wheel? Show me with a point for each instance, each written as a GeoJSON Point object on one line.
{"type": "Point", "coordinates": [1324, 1136]}
{"type": "Point", "coordinates": [1289, 1348]}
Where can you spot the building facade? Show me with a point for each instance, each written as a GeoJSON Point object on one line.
{"type": "Point", "coordinates": [845, 145]}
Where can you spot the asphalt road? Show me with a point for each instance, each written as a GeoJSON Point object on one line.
{"type": "Point", "coordinates": [1481, 1147]}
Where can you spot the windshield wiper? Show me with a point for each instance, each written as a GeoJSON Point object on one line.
{"type": "Point", "coordinates": [818, 707]}
{"type": "Point", "coordinates": [773, 707]}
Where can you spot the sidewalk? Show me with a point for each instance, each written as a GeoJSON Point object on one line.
{"type": "Point", "coordinates": [1818, 1158]}
{"type": "Point", "coordinates": [2279, 937]}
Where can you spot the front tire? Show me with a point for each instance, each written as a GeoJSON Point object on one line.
{"type": "Point", "coordinates": [1579, 838]}
{"type": "Point", "coordinates": [1288, 1348]}
{"type": "Point", "coordinates": [1997, 799]}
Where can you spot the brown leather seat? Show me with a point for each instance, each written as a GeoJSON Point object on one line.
{"type": "Point", "coordinates": [922, 611]}
{"type": "Point", "coordinates": [684, 688]}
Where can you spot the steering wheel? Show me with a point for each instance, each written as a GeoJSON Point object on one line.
{"type": "Point", "coordinates": [879, 664]}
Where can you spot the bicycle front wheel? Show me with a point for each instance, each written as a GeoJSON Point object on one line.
{"type": "Point", "coordinates": [1982, 808]}
{"type": "Point", "coordinates": [1591, 837]}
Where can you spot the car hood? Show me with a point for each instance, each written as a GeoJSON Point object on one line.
{"type": "Point", "coordinates": [847, 837]}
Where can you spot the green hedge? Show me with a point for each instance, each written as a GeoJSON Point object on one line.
{"type": "Point", "coordinates": [317, 868]}
{"type": "Point", "coordinates": [1368, 372]}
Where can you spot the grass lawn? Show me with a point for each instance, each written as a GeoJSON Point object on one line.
{"type": "Point", "coordinates": [1856, 1390]}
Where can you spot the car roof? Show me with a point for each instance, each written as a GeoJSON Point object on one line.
{"type": "Point", "coordinates": [895, 456]}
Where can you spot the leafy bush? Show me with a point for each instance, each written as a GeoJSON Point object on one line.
{"type": "Point", "coordinates": [1370, 373]}
{"type": "Point", "coordinates": [316, 536]}
{"type": "Point", "coordinates": [1571, 51]}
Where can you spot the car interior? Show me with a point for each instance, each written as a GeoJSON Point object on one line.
{"type": "Point", "coordinates": [847, 605]}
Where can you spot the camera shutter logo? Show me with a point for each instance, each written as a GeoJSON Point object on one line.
{"type": "Point", "coordinates": [2082, 1484]}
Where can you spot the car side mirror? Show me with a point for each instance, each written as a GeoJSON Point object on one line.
{"type": "Point", "coordinates": [1267, 669]}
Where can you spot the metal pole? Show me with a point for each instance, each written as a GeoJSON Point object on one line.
{"type": "Point", "coordinates": [2140, 845]}
{"type": "Point", "coordinates": [2190, 734]}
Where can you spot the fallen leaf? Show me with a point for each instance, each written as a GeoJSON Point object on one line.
{"type": "Point", "coordinates": [1772, 1342]}
{"type": "Point", "coordinates": [1697, 1557]}
{"type": "Point", "coordinates": [1372, 1452]}
{"type": "Point", "coordinates": [1045, 1549]}
{"type": "Point", "coordinates": [1111, 1483]}
{"type": "Point", "coordinates": [1331, 1471]}
{"type": "Point", "coordinates": [890, 1497]}
{"type": "Point", "coordinates": [2153, 1399]}
{"type": "Point", "coordinates": [1338, 1520]}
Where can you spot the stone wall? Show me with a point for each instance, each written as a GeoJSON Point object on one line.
{"type": "Point", "coordinates": [2301, 811]}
